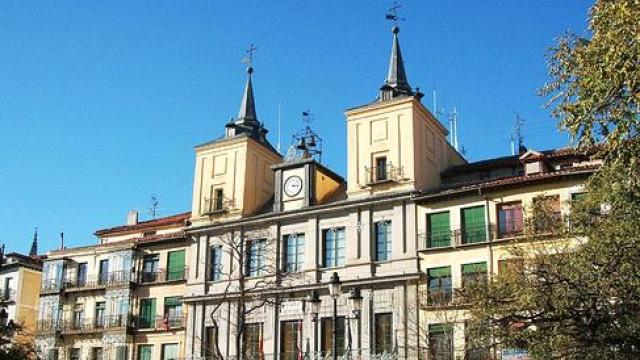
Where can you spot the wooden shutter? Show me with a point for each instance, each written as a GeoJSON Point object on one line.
{"type": "Point", "coordinates": [439, 230]}
{"type": "Point", "coordinates": [175, 266]}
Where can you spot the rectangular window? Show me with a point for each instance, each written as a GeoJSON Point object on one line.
{"type": "Point", "coordinates": [145, 352]}
{"type": "Point", "coordinates": [81, 275]}
{"type": "Point", "coordinates": [96, 353]}
{"type": "Point", "coordinates": [78, 316]}
{"type": "Point", "coordinates": [441, 341]}
{"type": "Point", "coordinates": [294, 252]}
{"type": "Point", "coordinates": [438, 230]}
{"type": "Point", "coordinates": [210, 343]}
{"type": "Point", "coordinates": [383, 240]}
{"type": "Point", "coordinates": [252, 340]}
{"type": "Point", "coordinates": [579, 196]}
{"type": "Point", "coordinates": [334, 247]}
{"type": "Point", "coordinates": [121, 352]}
{"type": "Point", "coordinates": [169, 351]}
{"type": "Point", "coordinates": [104, 272]}
{"type": "Point", "coordinates": [99, 319]}
{"type": "Point", "coordinates": [383, 333]}
{"type": "Point", "coordinates": [218, 199]}
{"type": "Point", "coordinates": [74, 354]}
{"type": "Point", "coordinates": [175, 266]}
{"type": "Point", "coordinates": [381, 169]}
{"type": "Point", "coordinates": [291, 347]}
{"type": "Point", "coordinates": [150, 266]}
{"type": "Point", "coordinates": [256, 256]}
{"type": "Point", "coordinates": [439, 283]}
{"type": "Point", "coordinates": [172, 312]}
{"type": "Point", "coordinates": [215, 271]}
{"type": "Point", "coordinates": [326, 330]}
{"type": "Point", "coordinates": [473, 225]}
{"type": "Point", "coordinates": [147, 316]}
{"type": "Point", "coordinates": [510, 221]}
{"type": "Point", "coordinates": [6, 290]}
{"type": "Point", "coordinates": [53, 354]}
{"type": "Point", "coordinates": [474, 272]}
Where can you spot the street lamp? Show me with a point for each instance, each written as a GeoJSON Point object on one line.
{"type": "Point", "coordinates": [335, 287]}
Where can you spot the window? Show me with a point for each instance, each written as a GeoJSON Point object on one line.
{"type": "Point", "coordinates": [145, 352]}
{"type": "Point", "coordinates": [441, 341]}
{"type": "Point", "coordinates": [147, 316]}
{"type": "Point", "coordinates": [547, 213]}
{"type": "Point", "coordinates": [578, 196]}
{"type": "Point", "coordinates": [104, 273]}
{"type": "Point", "coordinates": [96, 353]}
{"type": "Point", "coordinates": [169, 351]}
{"type": "Point", "coordinates": [100, 307]}
{"type": "Point", "coordinates": [74, 354]}
{"type": "Point", "coordinates": [150, 265]}
{"type": "Point", "coordinates": [172, 312]}
{"type": "Point", "coordinates": [326, 342]}
{"type": "Point", "coordinates": [210, 343]}
{"type": "Point", "coordinates": [438, 230]}
{"type": "Point", "coordinates": [53, 354]}
{"type": "Point", "coordinates": [334, 247]}
{"type": "Point", "coordinates": [473, 225]}
{"type": "Point", "coordinates": [121, 352]}
{"type": "Point", "coordinates": [474, 272]}
{"type": "Point", "coordinates": [509, 220]}
{"type": "Point", "coordinates": [383, 240]}
{"type": "Point", "coordinates": [381, 169]}
{"type": "Point", "coordinates": [477, 340]}
{"type": "Point", "coordinates": [78, 316]}
{"type": "Point", "coordinates": [290, 340]}
{"type": "Point", "coordinates": [439, 283]}
{"type": "Point", "coordinates": [218, 198]}
{"type": "Point", "coordinates": [215, 271]}
{"type": "Point", "coordinates": [252, 339]}
{"type": "Point", "coordinates": [81, 275]}
{"type": "Point", "coordinates": [294, 252]}
{"type": "Point", "coordinates": [256, 254]}
{"type": "Point", "coordinates": [6, 291]}
{"type": "Point", "coordinates": [175, 266]}
{"type": "Point", "coordinates": [383, 324]}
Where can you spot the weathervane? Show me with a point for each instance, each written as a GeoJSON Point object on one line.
{"type": "Point", "coordinates": [392, 14]}
{"type": "Point", "coordinates": [306, 142]}
{"type": "Point", "coordinates": [249, 58]}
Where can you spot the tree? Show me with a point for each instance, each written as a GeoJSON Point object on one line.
{"type": "Point", "coordinates": [575, 293]}
{"type": "Point", "coordinates": [15, 341]}
{"type": "Point", "coordinates": [250, 274]}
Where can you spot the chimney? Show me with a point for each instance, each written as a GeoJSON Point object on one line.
{"type": "Point", "coordinates": [132, 218]}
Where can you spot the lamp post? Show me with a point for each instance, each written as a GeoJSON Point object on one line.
{"type": "Point", "coordinates": [335, 289]}
{"type": "Point", "coordinates": [314, 308]}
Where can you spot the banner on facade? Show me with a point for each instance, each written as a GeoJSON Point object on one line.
{"type": "Point", "coordinates": [514, 354]}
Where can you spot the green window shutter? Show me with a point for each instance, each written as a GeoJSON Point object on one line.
{"type": "Point", "coordinates": [439, 230]}
{"type": "Point", "coordinates": [172, 301]}
{"type": "Point", "coordinates": [473, 225]}
{"type": "Point", "coordinates": [444, 271]}
{"type": "Point", "coordinates": [440, 328]}
{"type": "Point", "coordinates": [144, 352]}
{"type": "Point", "coordinates": [148, 312]}
{"type": "Point", "coordinates": [175, 266]}
{"type": "Point", "coordinates": [475, 268]}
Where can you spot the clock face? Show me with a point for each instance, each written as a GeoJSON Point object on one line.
{"type": "Point", "coordinates": [293, 186]}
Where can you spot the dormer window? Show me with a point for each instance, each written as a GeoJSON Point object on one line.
{"type": "Point", "coordinates": [534, 163]}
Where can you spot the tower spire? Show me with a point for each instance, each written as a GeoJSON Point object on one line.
{"type": "Point", "coordinates": [396, 83]}
{"type": "Point", "coordinates": [34, 245]}
{"type": "Point", "coordinates": [247, 120]}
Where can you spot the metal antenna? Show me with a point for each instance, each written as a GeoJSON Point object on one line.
{"type": "Point", "coordinates": [392, 13]}
{"type": "Point", "coordinates": [153, 208]}
{"type": "Point", "coordinates": [517, 133]}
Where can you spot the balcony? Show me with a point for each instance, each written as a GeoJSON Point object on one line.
{"type": "Point", "coordinates": [459, 237]}
{"type": "Point", "coordinates": [158, 276]}
{"type": "Point", "coordinates": [378, 175]}
{"type": "Point", "coordinates": [8, 295]}
{"type": "Point", "coordinates": [47, 327]}
{"type": "Point", "coordinates": [110, 279]}
{"type": "Point", "coordinates": [96, 325]}
{"type": "Point", "coordinates": [217, 205]}
{"type": "Point", "coordinates": [438, 298]}
{"type": "Point", "coordinates": [50, 286]}
{"type": "Point", "coordinates": [160, 323]}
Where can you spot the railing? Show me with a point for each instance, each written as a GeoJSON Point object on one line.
{"type": "Point", "coordinates": [48, 326]}
{"type": "Point", "coordinates": [216, 205]}
{"type": "Point", "coordinates": [50, 286]}
{"type": "Point", "coordinates": [510, 229]}
{"type": "Point", "coordinates": [353, 354]}
{"type": "Point", "coordinates": [113, 278]}
{"type": "Point", "coordinates": [439, 298]}
{"type": "Point", "coordinates": [163, 275]}
{"type": "Point", "coordinates": [383, 174]}
{"type": "Point", "coordinates": [458, 237]}
{"type": "Point", "coordinates": [113, 322]}
{"type": "Point", "coordinates": [8, 295]}
{"type": "Point", "coordinates": [159, 323]}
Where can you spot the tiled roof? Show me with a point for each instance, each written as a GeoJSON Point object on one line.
{"type": "Point", "coordinates": [149, 224]}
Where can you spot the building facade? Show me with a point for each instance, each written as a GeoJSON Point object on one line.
{"type": "Point", "coordinates": [119, 299]}
{"type": "Point", "coordinates": [19, 298]}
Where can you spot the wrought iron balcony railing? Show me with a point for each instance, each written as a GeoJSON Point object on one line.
{"type": "Point", "coordinates": [163, 275]}
{"type": "Point", "coordinates": [383, 174]}
{"type": "Point", "coordinates": [159, 323]}
{"type": "Point", "coordinates": [8, 295]}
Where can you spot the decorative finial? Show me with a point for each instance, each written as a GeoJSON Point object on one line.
{"type": "Point", "coordinates": [249, 58]}
{"type": "Point", "coordinates": [392, 15]}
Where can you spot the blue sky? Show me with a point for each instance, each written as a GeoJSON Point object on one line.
{"type": "Point", "coordinates": [102, 102]}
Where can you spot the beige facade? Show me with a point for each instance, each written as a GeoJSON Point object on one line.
{"type": "Point", "coordinates": [118, 298]}
{"type": "Point", "coordinates": [18, 274]}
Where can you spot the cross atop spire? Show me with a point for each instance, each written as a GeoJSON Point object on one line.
{"type": "Point", "coordinates": [34, 244]}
